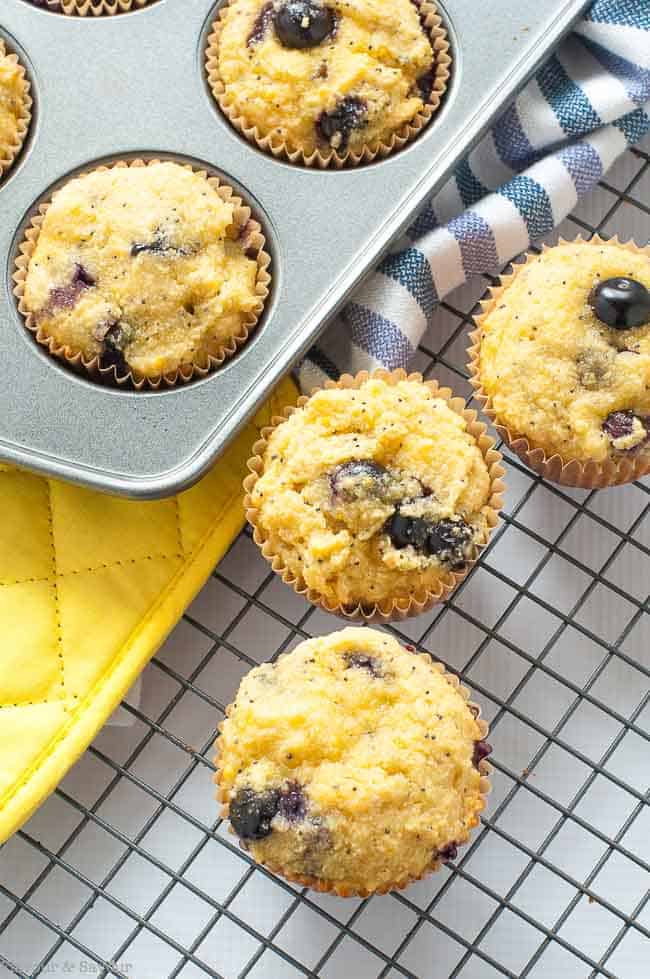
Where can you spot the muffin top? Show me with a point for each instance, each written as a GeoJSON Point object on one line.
{"type": "Point", "coordinates": [374, 493]}
{"type": "Point", "coordinates": [325, 74]}
{"type": "Point", "coordinates": [13, 96]}
{"type": "Point", "coordinates": [143, 267]}
{"type": "Point", "coordinates": [353, 761]}
{"type": "Point", "coordinates": [565, 352]}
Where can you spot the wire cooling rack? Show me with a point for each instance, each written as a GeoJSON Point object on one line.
{"type": "Point", "coordinates": [126, 871]}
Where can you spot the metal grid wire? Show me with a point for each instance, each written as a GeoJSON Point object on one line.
{"type": "Point", "coordinates": [126, 871]}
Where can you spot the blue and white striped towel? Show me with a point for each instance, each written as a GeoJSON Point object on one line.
{"type": "Point", "coordinates": [581, 111]}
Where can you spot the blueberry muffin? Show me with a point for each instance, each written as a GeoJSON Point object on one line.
{"type": "Point", "coordinates": [328, 78]}
{"type": "Point", "coordinates": [563, 354]}
{"type": "Point", "coordinates": [352, 764]}
{"type": "Point", "coordinates": [146, 271]}
{"type": "Point", "coordinates": [375, 495]}
{"type": "Point", "coordinates": [15, 107]}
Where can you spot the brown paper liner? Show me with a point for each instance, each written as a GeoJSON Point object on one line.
{"type": "Point", "coordinates": [347, 889]}
{"type": "Point", "coordinates": [271, 143]}
{"type": "Point", "coordinates": [243, 224]}
{"type": "Point", "coordinates": [9, 153]}
{"type": "Point", "coordinates": [105, 8]}
{"type": "Point", "coordinates": [395, 609]}
{"type": "Point", "coordinates": [556, 468]}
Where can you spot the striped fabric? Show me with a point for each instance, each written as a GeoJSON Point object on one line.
{"type": "Point", "coordinates": [581, 111]}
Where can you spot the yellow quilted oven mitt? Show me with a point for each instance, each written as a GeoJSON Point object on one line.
{"type": "Point", "coordinates": [90, 585]}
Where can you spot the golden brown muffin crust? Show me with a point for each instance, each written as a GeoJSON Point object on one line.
{"type": "Point", "coordinates": [557, 374]}
{"type": "Point", "coordinates": [142, 267]}
{"type": "Point", "coordinates": [352, 761]}
{"type": "Point", "coordinates": [368, 77]}
{"type": "Point", "coordinates": [350, 475]}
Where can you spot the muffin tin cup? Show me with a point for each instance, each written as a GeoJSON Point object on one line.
{"type": "Point", "coordinates": [255, 245]}
{"type": "Point", "coordinates": [86, 8]}
{"type": "Point", "coordinates": [376, 150]}
{"type": "Point", "coordinates": [395, 609]}
{"type": "Point", "coordinates": [556, 468]}
{"type": "Point", "coordinates": [9, 153]}
{"type": "Point", "coordinates": [343, 888]}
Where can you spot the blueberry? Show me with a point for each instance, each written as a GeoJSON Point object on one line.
{"type": "Point", "coordinates": [399, 529]}
{"type": "Point", "coordinates": [481, 750]}
{"type": "Point", "coordinates": [335, 127]}
{"type": "Point", "coordinates": [155, 246]}
{"type": "Point", "coordinates": [619, 424]}
{"type": "Point", "coordinates": [159, 245]}
{"type": "Point", "coordinates": [448, 540]}
{"type": "Point", "coordinates": [361, 661]}
{"type": "Point", "coordinates": [251, 813]}
{"type": "Point", "coordinates": [261, 25]}
{"type": "Point", "coordinates": [81, 277]}
{"type": "Point", "coordinates": [622, 303]}
{"type": "Point", "coordinates": [303, 23]}
{"type": "Point", "coordinates": [114, 340]}
{"type": "Point", "coordinates": [425, 84]}
{"type": "Point", "coordinates": [62, 297]}
{"type": "Point", "coordinates": [449, 852]}
{"type": "Point", "coordinates": [245, 238]}
{"type": "Point", "coordinates": [404, 531]}
{"type": "Point", "coordinates": [357, 478]}
{"type": "Point", "coordinates": [292, 803]}
{"type": "Point", "coordinates": [65, 297]}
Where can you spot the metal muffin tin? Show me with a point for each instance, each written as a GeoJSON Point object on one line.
{"type": "Point", "coordinates": [134, 85]}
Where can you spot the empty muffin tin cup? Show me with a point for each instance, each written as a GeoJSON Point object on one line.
{"type": "Point", "coordinates": [93, 8]}
{"type": "Point", "coordinates": [439, 859]}
{"type": "Point", "coordinates": [9, 151]}
{"type": "Point", "coordinates": [566, 471]}
{"type": "Point", "coordinates": [392, 609]}
{"type": "Point", "coordinates": [244, 227]}
{"type": "Point", "coordinates": [275, 144]}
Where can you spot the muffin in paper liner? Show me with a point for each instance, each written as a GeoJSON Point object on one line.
{"type": "Point", "coordinates": [323, 159]}
{"type": "Point", "coordinates": [566, 471]}
{"type": "Point", "coordinates": [347, 888]}
{"type": "Point", "coordinates": [400, 608]}
{"type": "Point", "coordinates": [92, 8]}
{"type": "Point", "coordinates": [243, 226]}
{"type": "Point", "coordinates": [9, 152]}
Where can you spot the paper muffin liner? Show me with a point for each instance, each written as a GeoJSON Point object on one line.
{"type": "Point", "coordinates": [243, 226]}
{"type": "Point", "coordinates": [86, 8]}
{"type": "Point", "coordinates": [347, 889]}
{"type": "Point", "coordinates": [9, 152]}
{"type": "Point", "coordinates": [394, 609]}
{"type": "Point", "coordinates": [567, 471]}
{"type": "Point", "coordinates": [322, 158]}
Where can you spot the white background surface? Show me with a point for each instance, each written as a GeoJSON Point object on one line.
{"type": "Point", "coordinates": [127, 863]}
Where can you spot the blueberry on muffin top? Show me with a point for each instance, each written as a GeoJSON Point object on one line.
{"type": "Point", "coordinates": [374, 493]}
{"type": "Point", "coordinates": [143, 268]}
{"type": "Point", "coordinates": [565, 352]}
{"type": "Point", "coordinates": [352, 762]}
{"type": "Point", "coordinates": [328, 75]}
